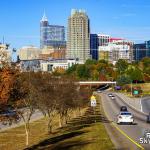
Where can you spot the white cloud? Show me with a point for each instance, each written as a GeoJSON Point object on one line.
{"type": "Point", "coordinates": [124, 15]}
{"type": "Point", "coordinates": [128, 15]}
{"type": "Point", "coordinates": [116, 17]}
{"type": "Point", "coordinates": [135, 6]}
{"type": "Point", "coordinates": [24, 36]}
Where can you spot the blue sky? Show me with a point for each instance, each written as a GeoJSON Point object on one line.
{"type": "Point", "coordinates": [19, 19]}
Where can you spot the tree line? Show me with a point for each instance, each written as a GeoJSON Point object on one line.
{"type": "Point", "coordinates": [29, 92]}
{"type": "Point", "coordinates": [122, 72]}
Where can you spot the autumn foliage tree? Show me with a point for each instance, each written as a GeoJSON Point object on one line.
{"type": "Point", "coordinates": [7, 78]}
{"type": "Point", "coordinates": [8, 75]}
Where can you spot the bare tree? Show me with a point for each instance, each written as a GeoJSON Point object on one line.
{"type": "Point", "coordinates": [84, 94]}
{"type": "Point", "coordinates": [23, 100]}
{"type": "Point", "coordinates": [66, 96]}
{"type": "Point", "coordinates": [45, 96]}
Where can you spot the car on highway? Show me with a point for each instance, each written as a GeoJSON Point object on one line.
{"type": "Point", "coordinates": [123, 108]}
{"type": "Point", "coordinates": [9, 116]}
{"type": "Point", "coordinates": [99, 91]}
{"type": "Point", "coordinates": [125, 117]}
{"type": "Point", "coordinates": [148, 118]}
{"type": "Point", "coordinates": [8, 113]}
{"type": "Point", "coordinates": [110, 95]}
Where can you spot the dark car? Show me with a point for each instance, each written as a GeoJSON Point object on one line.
{"type": "Point", "coordinates": [8, 113]}
{"type": "Point", "coordinates": [117, 87]}
{"type": "Point", "coordinates": [123, 108]}
{"type": "Point", "coordinates": [148, 118]}
{"type": "Point", "coordinates": [9, 117]}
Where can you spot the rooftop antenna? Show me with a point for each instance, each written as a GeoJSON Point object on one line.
{"type": "Point", "coordinates": [44, 18]}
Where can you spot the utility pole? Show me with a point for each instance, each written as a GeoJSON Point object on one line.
{"type": "Point", "coordinates": [131, 87]}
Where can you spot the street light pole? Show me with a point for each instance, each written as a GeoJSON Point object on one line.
{"type": "Point", "coordinates": [131, 87]}
{"type": "Point", "coordinates": [141, 103]}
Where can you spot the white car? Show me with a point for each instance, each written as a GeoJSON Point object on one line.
{"type": "Point", "coordinates": [125, 117]}
{"type": "Point", "coordinates": [99, 91]}
{"type": "Point", "coordinates": [110, 95]}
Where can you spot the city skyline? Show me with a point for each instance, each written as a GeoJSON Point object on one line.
{"type": "Point", "coordinates": [124, 19]}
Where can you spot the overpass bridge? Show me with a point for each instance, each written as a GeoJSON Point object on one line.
{"type": "Point", "coordinates": [96, 83]}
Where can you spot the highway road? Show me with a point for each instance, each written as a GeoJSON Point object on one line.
{"type": "Point", "coordinates": [136, 131]}
{"type": "Point", "coordinates": [146, 105]}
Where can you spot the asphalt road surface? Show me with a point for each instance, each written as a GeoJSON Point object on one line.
{"type": "Point", "coordinates": [136, 131]}
{"type": "Point", "coordinates": [146, 105]}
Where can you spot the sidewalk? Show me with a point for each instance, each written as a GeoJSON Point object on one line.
{"type": "Point", "coordinates": [36, 116]}
{"type": "Point", "coordinates": [134, 102]}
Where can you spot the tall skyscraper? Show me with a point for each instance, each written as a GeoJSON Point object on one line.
{"type": "Point", "coordinates": [94, 43]}
{"type": "Point", "coordinates": [78, 41]}
{"type": "Point", "coordinates": [51, 35]}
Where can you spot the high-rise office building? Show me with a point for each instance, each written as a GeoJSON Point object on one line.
{"type": "Point", "coordinates": [51, 35]}
{"type": "Point", "coordinates": [78, 42]}
{"type": "Point", "coordinates": [94, 46]}
{"type": "Point", "coordinates": [119, 49]}
{"type": "Point", "coordinates": [148, 48]}
{"type": "Point", "coordinates": [103, 39]}
{"type": "Point", "coordinates": [141, 50]}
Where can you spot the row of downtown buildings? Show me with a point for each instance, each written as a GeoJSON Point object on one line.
{"type": "Point", "coordinates": [55, 52]}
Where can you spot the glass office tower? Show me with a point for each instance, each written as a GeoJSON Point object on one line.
{"type": "Point", "coordinates": [141, 50]}
{"type": "Point", "coordinates": [148, 48]}
{"type": "Point", "coordinates": [94, 43]}
{"type": "Point", "coordinates": [51, 35]}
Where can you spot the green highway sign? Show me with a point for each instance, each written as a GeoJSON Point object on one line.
{"type": "Point", "coordinates": [135, 92]}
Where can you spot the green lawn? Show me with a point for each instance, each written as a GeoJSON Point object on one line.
{"type": "Point", "coordinates": [14, 139]}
